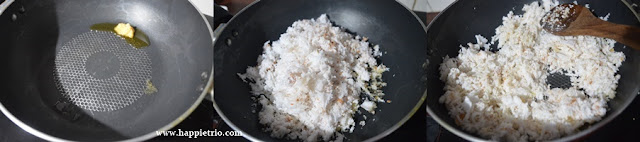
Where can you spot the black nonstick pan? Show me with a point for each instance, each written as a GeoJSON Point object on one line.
{"type": "Point", "coordinates": [458, 24]}
{"type": "Point", "coordinates": [397, 30]}
{"type": "Point", "coordinates": [63, 82]}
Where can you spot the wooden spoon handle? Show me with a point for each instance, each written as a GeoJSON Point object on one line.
{"type": "Point", "coordinates": [627, 35]}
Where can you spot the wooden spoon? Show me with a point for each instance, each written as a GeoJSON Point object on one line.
{"type": "Point", "coordinates": [573, 20]}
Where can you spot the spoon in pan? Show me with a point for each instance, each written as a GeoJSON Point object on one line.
{"type": "Point", "coordinates": [574, 20]}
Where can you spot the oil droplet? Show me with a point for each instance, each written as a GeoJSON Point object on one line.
{"type": "Point", "coordinates": [201, 87]}
{"type": "Point", "coordinates": [139, 40]}
{"type": "Point", "coordinates": [234, 33]}
{"type": "Point", "coordinates": [22, 10]}
{"type": "Point", "coordinates": [228, 42]}
{"type": "Point", "coordinates": [14, 17]}
{"type": "Point", "coordinates": [204, 76]}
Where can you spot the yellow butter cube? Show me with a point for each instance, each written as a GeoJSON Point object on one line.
{"type": "Point", "coordinates": [124, 30]}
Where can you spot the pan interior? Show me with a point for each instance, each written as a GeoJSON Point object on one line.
{"type": "Point", "coordinates": [458, 25]}
{"type": "Point", "coordinates": [99, 71]}
{"type": "Point", "coordinates": [64, 81]}
{"type": "Point", "coordinates": [395, 29]}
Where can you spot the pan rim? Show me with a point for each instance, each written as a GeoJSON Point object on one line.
{"type": "Point", "coordinates": [374, 138]}
{"type": "Point", "coordinates": [215, 105]}
{"type": "Point", "coordinates": [144, 137]}
{"type": "Point", "coordinates": [468, 136]}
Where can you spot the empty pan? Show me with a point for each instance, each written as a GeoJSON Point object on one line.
{"type": "Point", "coordinates": [65, 82]}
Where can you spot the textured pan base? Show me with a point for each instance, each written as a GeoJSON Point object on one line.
{"type": "Point", "coordinates": [100, 71]}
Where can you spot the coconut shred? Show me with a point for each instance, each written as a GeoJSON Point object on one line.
{"type": "Point", "coordinates": [504, 96]}
{"type": "Point", "coordinates": [309, 81]}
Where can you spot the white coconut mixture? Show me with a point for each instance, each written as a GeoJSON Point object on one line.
{"type": "Point", "coordinates": [504, 95]}
{"type": "Point", "coordinates": [309, 81]}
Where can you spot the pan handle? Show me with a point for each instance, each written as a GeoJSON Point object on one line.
{"type": "Point", "coordinates": [220, 17]}
{"type": "Point", "coordinates": [5, 5]}
{"type": "Point", "coordinates": [216, 33]}
{"type": "Point", "coordinates": [209, 96]}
